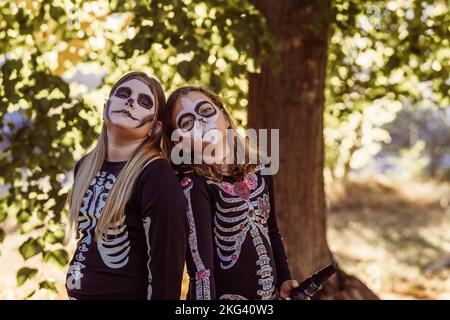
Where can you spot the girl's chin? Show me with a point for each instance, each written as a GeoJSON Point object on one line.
{"type": "Point", "coordinates": [124, 127]}
{"type": "Point", "coordinates": [123, 121]}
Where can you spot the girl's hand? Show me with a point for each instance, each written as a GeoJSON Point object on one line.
{"type": "Point", "coordinates": [286, 287]}
{"type": "Point", "coordinates": [285, 290]}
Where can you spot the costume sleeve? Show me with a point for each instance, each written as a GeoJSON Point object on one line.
{"type": "Point", "coordinates": [200, 254]}
{"type": "Point", "coordinates": [281, 261]}
{"type": "Point", "coordinates": [163, 208]}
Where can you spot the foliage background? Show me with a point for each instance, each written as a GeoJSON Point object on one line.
{"type": "Point", "coordinates": [387, 99]}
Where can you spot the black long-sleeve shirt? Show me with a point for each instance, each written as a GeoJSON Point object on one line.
{"type": "Point", "coordinates": [143, 256]}
{"type": "Point", "coordinates": [235, 248]}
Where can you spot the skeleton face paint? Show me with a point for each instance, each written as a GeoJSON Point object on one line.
{"type": "Point", "coordinates": [131, 106]}
{"type": "Point", "coordinates": [199, 115]}
{"type": "Point", "coordinates": [202, 125]}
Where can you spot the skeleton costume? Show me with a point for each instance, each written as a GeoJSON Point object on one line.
{"type": "Point", "coordinates": [235, 250]}
{"type": "Point", "coordinates": [143, 256]}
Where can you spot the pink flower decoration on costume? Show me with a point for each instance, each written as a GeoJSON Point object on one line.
{"type": "Point", "coordinates": [202, 274]}
{"type": "Point", "coordinates": [185, 181]}
{"type": "Point", "coordinates": [228, 188]}
{"type": "Point", "coordinates": [251, 181]}
{"type": "Point", "coordinates": [241, 189]}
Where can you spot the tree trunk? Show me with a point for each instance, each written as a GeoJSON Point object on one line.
{"type": "Point", "coordinates": [293, 101]}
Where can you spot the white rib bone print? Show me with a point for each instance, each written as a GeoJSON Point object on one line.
{"type": "Point", "coordinates": [114, 245]}
{"type": "Point", "coordinates": [90, 211]}
{"type": "Point", "coordinates": [231, 227]}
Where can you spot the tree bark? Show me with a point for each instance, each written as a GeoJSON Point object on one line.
{"type": "Point", "coordinates": [293, 101]}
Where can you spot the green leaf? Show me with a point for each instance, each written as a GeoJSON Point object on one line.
{"type": "Point", "coordinates": [23, 216]}
{"type": "Point", "coordinates": [49, 285]}
{"type": "Point", "coordinates": [3, 214]}
{"type": "Point", "coordinates": [186, 70]}
{"type": "Point", "coordinates": [2, 235]}
{"type": "Point", "coordinates": [9, 85]}
{"type": "Point", "coordinates": [175, 40]}
{"type": "Point", "coordinates": [29, 295]}
{"type": "Point", "coordinates": [30, 248]}
{"type": "Point", "coordinates": [238, 68]}
{"type": "Point", "coordinates": [41, 215]}
{"type": "Point", "coordinates": [215, 83]}
{"type": "Point", "coordinates": [11, 65]}
{"type": "Point", "coordinates": [24, 274]}
{"type": "Point", "coordinates": [57, 12]}
{"type": "Point", "coordinates": [58, 257]}
{"type": "Point", "coordinates": [53, 237]}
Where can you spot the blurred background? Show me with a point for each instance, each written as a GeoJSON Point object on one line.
{"type": "Point", "coordinates": [359, 89]}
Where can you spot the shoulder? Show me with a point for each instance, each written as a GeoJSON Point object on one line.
{"type": "Point", "coordinates": [262, 171]}
{"type": "Point", "coordinates": [157, 167]}
{"type": "Point", "coordinates": [158, 173]}
{"type": "Point", "coordinates": [158, 184]}
{"type": "Point", "coordinates": [266, 178]}
{"type": "Point", "coordinates": [78, 164]}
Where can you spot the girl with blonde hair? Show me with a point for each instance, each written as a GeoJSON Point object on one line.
{"type": "Point", "coordinates": [126, 205]}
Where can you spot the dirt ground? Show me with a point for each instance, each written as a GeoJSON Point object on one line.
{"type": "Point", "coordinates": [392, 235]}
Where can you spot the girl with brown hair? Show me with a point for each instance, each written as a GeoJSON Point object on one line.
{"type": "Point", "coordinates": [235, 247]}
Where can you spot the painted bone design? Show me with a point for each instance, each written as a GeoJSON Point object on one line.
{"type": "Point", "coordinates": [248, 211]}
{"type": "Point", "coordinates": [114, 246]}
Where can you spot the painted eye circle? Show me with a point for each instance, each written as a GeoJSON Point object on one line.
{"type": "Point", "coordinates": [123, 92]}
{"type": "Point", "coordinates": [186, 123]}
{"type": "Point", "coordinates": [145, 101]}
{"type": "Point", "coordinates": [206, 109]}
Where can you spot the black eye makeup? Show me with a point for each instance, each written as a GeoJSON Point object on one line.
{"type": "Point", "coordinates": [123, 92]}
{"type": "Point", "coordinates": [205, 109]}
{"type": "Point", "coordinates": [145, 101]}
{"type": "Point", "coordinates": [186, 122]}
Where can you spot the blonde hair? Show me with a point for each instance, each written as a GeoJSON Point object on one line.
{"type": "Point", "coordinates": [211, 172]}
{"type": "Point", "coordinates": [90, 165]}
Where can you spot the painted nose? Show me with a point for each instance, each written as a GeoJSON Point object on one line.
{"type": "Point", "coordinates": [130, 101]}
{"type": "Point", "coordinates": [202, 121]}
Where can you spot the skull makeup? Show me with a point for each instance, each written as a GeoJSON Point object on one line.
{"type": "Point", "coordinates": [203, 124]}
{"type": "Point", "coordinates": [201, 119]}
{"type": "Point", "coordinates": [131, 106]}
{"type": "Point", "coordinates": [198, 113]}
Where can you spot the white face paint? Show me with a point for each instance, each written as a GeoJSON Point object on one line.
{"type": "Point", "coordinates": [131, 106]}
{"type": "Point", "coordinates": [202, 125]}
{"type": "Point", "coordinates": [199, 115]}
